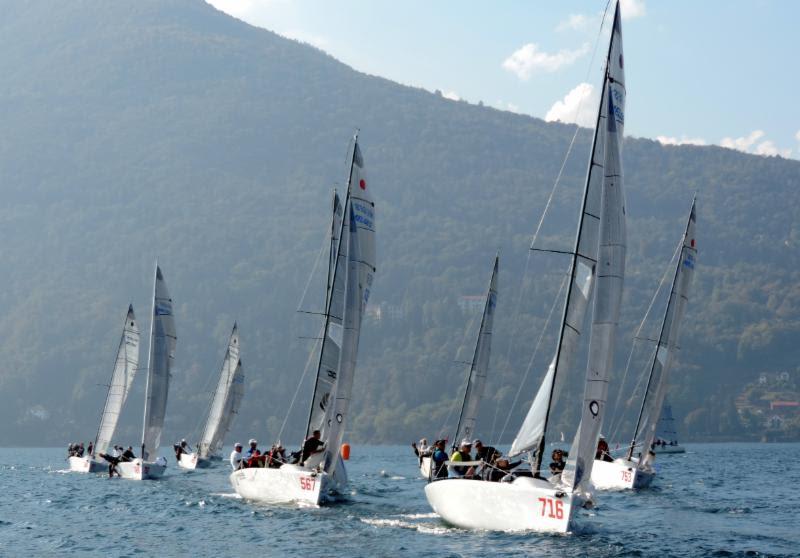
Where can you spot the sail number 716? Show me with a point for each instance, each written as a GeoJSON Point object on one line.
{"type": "Point", "coordinates": [552, 508]}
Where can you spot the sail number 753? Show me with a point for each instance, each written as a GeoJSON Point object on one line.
{"type": "Point", "coordinates": [552, 508]}
{"type": "Point", "coordinates": [307, 483]}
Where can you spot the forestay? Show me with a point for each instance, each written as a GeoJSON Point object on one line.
{"type": "Point", "coordinates": [162, 354]}
{"type": "Point", "coordinates": [221, 412]}
{"type": "Point", "coordinates": [610, 269]}
{"type": "Point", "coordinates": [121, 379]}
{"type": "Point", "coordinates": [328, 364]}
{"type": "Point", "coordinates": [480, 364]}
{"type": "Point", "coordinates": [359, 251]}
{"type": "Point", "coordinates": [667, 340]}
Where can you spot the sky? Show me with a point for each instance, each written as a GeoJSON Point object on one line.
{"type": "Point", "coordinates": [721, 72]}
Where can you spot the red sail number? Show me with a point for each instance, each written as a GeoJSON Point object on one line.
{"type": "Point", "coordinates": [552, 508]}
{"type": "Point", "coordinates": [307, 483]}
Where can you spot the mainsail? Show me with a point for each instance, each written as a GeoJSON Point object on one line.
{"type": "Point", "coordinates": [328, 364]}
{"type": "Point", "coordinates": [610, 270]}
{"type": "Point", "coordinates": [667, 341]}
{"type": "Point", "coordinates": [665, 430]}
{"type": "Point", "coordinates": [162, 354]}
{"type": "Point", "coordinates": [476, 380]}
{"type": "Point", "coordinates": [221, 412]}
{"type": "Point", "coordinates": [121, 379]}
{"type": "Point", "coordinates": [533, 431]}
{"type": "Point", "coordinates": [359, 252]}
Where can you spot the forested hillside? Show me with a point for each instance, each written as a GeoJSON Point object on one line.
{"type": "Point", "coordinates": [166, 129]}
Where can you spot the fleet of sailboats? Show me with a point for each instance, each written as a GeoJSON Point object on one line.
{"type": "Point", "coordinates": [224, 407]}
{"type": "Point", "coordinates": [525, 499]}
{"type": "Point", "coordinates": [322, 476]}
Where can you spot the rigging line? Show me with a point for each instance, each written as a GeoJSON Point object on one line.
{"type": "Point", "coordinates": [310, 358]}
{"type": "Point", "coordinates": [637, 337]}
{"type": "Point", "coordinates": [325, 244]}
{"type": "Point", "coordinates": [556, 300]}
{"type": "Point", "coordinates": [461, 345]}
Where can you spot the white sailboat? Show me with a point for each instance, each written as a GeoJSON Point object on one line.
{"type": "Point", "coordinates": [350, 275]}
{"type": "Point", "coordinates": [224, 407]}
{"type": "Point", "coordinates": [476, 374]}
{"type": "Point", "coordinates": [638, 472]}
{"type": "Point", "coordinates": [125, 366]}
{"type": "Point", "coordinates": [531, 502]}
{"type": "Point", "coordinates": [162, 354]}
{"type": "Point", "coordinates": [666, 435]}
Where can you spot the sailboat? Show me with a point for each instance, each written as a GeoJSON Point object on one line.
{"type": "Point", "coordinates": [351, 269]}
{"type": "Point", "coordinates": [125, 366]}
{"type": "Point", "coordinates": [159, 365]}
{"type": "Point", "coordinates": [631, 472]}
{"type": "Point", "coordinates": [529, 502]}
{"type": "Point", "coordinates": [224, 407]}
{"type": "Point", "coordinates": [666, 434]}
{"type": "Point", "coordinates": [476, 374]}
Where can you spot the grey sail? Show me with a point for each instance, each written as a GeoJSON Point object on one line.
{"type": "Point", "coordinates": [328, 364]}
{"type": "Point", "coordinates": [609, 271]}
{"type": "Point", "coordinates": [232, 405]}
{"type": "Point", "coordinates": [359, 251]}
{"type": "Point", "coordinates": [465, 429]}
{"type": "Point", "coordinates": [162, 355]}
{"type": "Point", "coordinates": [220, 413]}
{"type": "Point", "coordinates": [656, 389]}
{"type": "Point", "coordinates": [125, 366]}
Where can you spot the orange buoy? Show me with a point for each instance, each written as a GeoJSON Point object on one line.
{"type": "Point", "coordinates": [345, 451]}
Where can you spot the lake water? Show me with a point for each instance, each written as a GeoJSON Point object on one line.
{"type": "Point", "coordinates": [715, 500]}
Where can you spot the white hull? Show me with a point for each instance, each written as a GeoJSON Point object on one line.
{"type": "Point", "coordinates": [526, 504]}
{"type": "Point", "coordinates": [139, 470]}
{"type": "Point", "coordinates": [620, 474]}
{"type": "Point", "coordinates": [425, 467]}
{"type": "Point", "coordinates": [87, 465]}
{"type": "Point", "coordinates": [288, 484]}
{"type": "Point", "coordinates": [669, 449]}
{"type": "Point", "coordinates": [192, 461]}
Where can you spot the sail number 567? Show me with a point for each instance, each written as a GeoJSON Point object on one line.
{"type": "Point", "coordinates": [307, 483]}
{"type": "Point", "coordinates": [552, 508]}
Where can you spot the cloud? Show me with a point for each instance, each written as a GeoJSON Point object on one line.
{"type": "Point", "coordinates": [577, 107]}
{"type": "Point", "coordinates": [529, 60]}
{"type": "Point", "coordinates": [574, 22]}
{"type": "Point", "coordinates": [452, 95]}
{"type": "Point", "coordinates": [683, 140]}
{"type": "Point", "coordinates": [631, 9]}
{"type": "Point", "coordinates": [797, 135]}
{"type": "Point", "coordinates": [755, 143]}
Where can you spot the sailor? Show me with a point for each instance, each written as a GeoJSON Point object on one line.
{"type": "Point", "coordinates": [79, 451]}
{"type": "Point", "coordinates": [236, 456]}
{"type": "Point", "coordinates": [312, 445]}
{"type": "Point", "coordinates": [113, 460]}
{"type": "Point", "coordinates": [128, 455]}
{"type": "Point", "coordinates": [603, 450]}
{"type": "Point", "coordinates": [439, 459]}
{"type": "Point", "coordinates": [422, 450]}
{"type": "Point", "coordinates": [90, 449]}
{"type": "Point", "coordinates": [253, 449]}
{"type": "Point", "coordinates": [487, 454]}
{"type": "Point", "coordinates": [276, 457]}
{"type": "Point", "coordinates": [558, 463]}
{"type": "Point", "coordinates": [463, 454]}
{"type": "Point", "coordinates": [181, 448]}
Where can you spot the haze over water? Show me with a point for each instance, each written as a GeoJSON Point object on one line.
{"type": "Point", "coordinates": [716, 500]}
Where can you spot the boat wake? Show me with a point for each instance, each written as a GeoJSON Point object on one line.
{"type": "Point", "coordinates": [227, 495]}
{"type": "Point", "coordinates": [427, 528]}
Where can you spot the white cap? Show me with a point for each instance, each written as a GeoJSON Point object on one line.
{"type": "Point", "coordinates": [237, 445]}
{"type": "Point", "coordinates": [466, 442]}
{"type": "Point", "coordinates": [252, 441]}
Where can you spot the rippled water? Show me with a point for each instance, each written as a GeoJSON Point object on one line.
{"type": "Point", "coordinates": [715, 500]}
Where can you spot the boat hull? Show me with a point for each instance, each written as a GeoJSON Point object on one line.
{"type": "Point", "coordinates": [669, 449]}
{"type": "Point", "coordinates": [620, 474]}
{"type": "Point", "coordinates": [141, 470]}
{"type": "Point", "coordinates": [191, 461]}
{"type": "Point", "coordinates": [526, 504]}
{"type": "Point", "coordinates": [87, 465]}
{"type": "Point", "coordinates": [287, 484]}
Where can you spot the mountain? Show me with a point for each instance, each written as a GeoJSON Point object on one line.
{"type": "Point", "coordinates": [167, 129]}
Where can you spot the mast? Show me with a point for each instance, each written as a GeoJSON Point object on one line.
{"type": "Point", "coordinates": [333, 274]}
{"type": "Point", "coordinates": [474, 388]}
{"type": "Point", "coordinates": [576, 253]}
{"type": "Point", "coordinates": [665, 327]}
{"type": "Point", "coordinates": [149, 361]}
